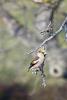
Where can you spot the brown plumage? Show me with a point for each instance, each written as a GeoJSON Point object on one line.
{"type": "Point", "coordinates": [37, 63]}
{"type": "Point", "coordinates": [34, 62]}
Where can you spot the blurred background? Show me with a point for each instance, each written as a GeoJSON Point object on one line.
{"type": "Point", "coordinates": [21, 22]}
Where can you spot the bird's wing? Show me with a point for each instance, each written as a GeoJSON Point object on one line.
{"type": "Point", "coordinates": [35, 61]}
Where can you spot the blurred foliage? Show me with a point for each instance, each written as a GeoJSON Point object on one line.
{"type": "Point", "coordinates": [14, 63]}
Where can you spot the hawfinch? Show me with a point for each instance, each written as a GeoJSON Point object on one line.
{"type": "Point", "coordinates": [37, 63]}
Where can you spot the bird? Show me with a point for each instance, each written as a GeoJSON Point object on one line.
{"type": "Point", "coordinates": [37, 63]}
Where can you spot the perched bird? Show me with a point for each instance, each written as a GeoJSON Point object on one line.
{"type": "Point", "coordinates": [37, 63]}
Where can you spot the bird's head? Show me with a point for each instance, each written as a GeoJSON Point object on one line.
{"type": "Point", "coordinates": [42, 50]}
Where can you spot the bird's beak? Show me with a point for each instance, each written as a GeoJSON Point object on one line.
{"type": "Point", "coordinates": [45, 54]}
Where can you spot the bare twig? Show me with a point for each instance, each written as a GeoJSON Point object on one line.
{"type": "Point", "coordinates": [51, 37]}
{"type": "Point", "coordinates": [42, 33]}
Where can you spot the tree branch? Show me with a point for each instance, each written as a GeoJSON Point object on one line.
{"type": "Point", "coordinates": [51, 37]}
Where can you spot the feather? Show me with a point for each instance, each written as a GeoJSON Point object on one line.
{"type": "Point", "coordinates": [34, 62]}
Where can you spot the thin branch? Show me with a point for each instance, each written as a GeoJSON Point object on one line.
{"type": "Point", "coordinates": [51, 37]}
{"type": "Point", "coordinates": [42, 33]}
